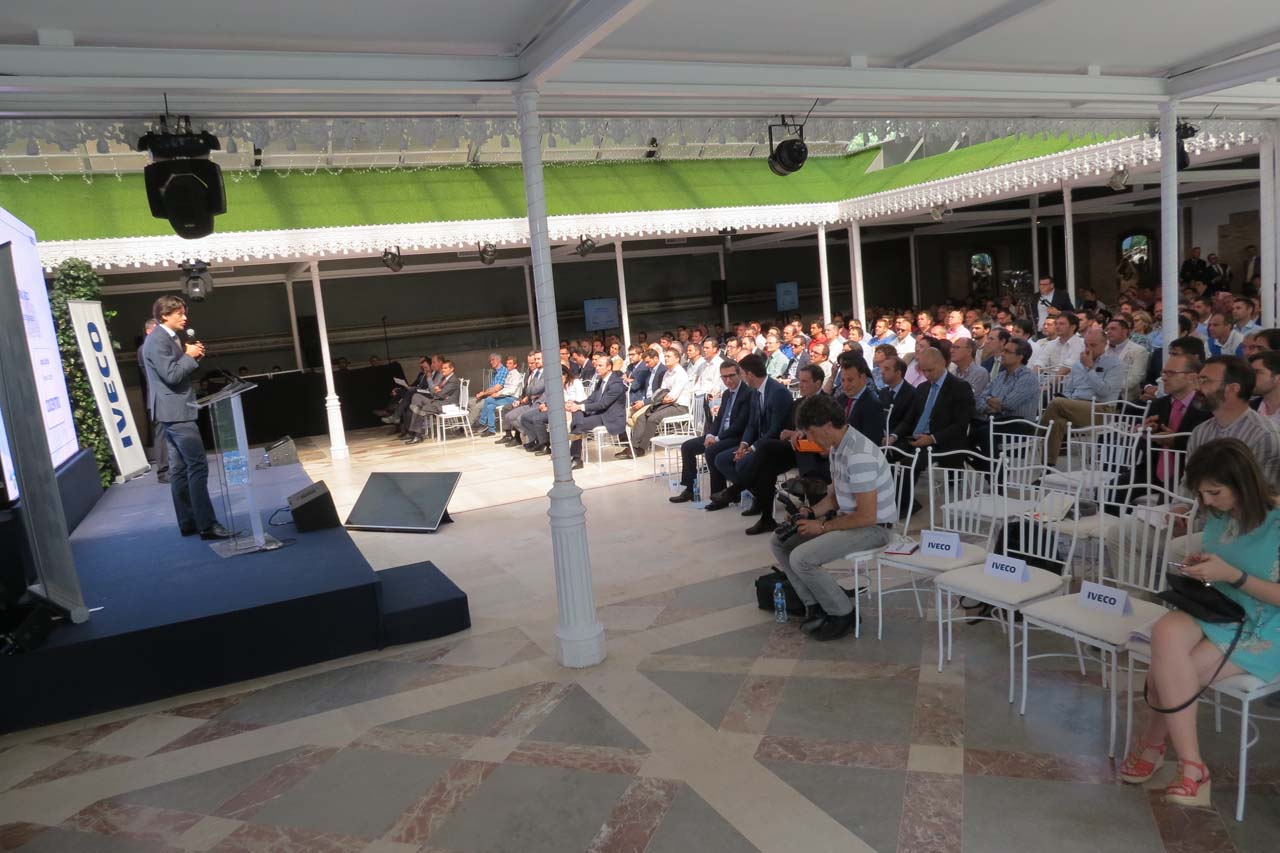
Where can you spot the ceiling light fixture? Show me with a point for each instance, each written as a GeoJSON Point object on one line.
{"type": "Point", "coordinates": [585, 247]}
{"type": "Point", "coordinates": [488, 254]}
{"type": "Point", "coordinates": [392, 260]}
{"type": "Point", "coordinates": [1184, 131]}
{"type": "Point", "coordinates": [1119, 179]}
{"type": "Point", "coordinates": [939, 212]}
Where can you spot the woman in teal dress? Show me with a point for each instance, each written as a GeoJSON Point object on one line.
{"type": "Point", "coordinates": [1242, 559]}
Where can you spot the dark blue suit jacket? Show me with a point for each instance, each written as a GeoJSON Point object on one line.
{"type": "Point", "coordinates": [741, 411]}
{"type": "Point", "coordinates": [771, 413]}
{"type": "Point", "coordinates": [639, 382]}
{"type": "Point", "coordinates": [868, 413]}
{"type": "Point", "coordinates": [609, 399]}
{"type": "Point", "coordinates": [169, 371]}
{"type": "Point", "coordinates": [656, 380]}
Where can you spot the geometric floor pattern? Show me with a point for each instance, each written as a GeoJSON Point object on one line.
{"type": "Point", "coordinates": [710, 728]}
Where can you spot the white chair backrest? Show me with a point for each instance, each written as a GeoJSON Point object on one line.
{"type": "Point", "coordinates": [1022, 446]}
{"type": "Point", "coordinates": [1162, 454]}
{"type": "Point", "coordinates": [1105, 450]}
{"type": "Point", "coordinates": [1051, 384]}
{"type": "Point", "coordinates": [1120, 414]}
{"type": "Point", "coordinates": [901, 467]}
{"type": "Point", "coordinates": [1140, 537]}
{"type": "Point", "coordinates": [464, 390]}
{"type": "Point", "coordinates": [1047, 532]}
{"type": "Point", "coordinates": [958, 482]}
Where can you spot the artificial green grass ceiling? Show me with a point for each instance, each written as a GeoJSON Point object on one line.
{"type": "Point", "coordinates": [71, 209]}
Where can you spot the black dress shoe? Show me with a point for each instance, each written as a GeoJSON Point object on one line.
{"type": "Point", "coordinates": [624, 453]}
{"type": "Point", "coordinates": [534, 447]}
{"type": "Point", "coordinates": [814, 616]}
{"type": "Point", "coordinates": [544, 450]}
{"type": "Point", "coordinates": [512, 441]}
{"type": "Point", "coordinates": [575, 464]}
{"type": "Point", "coordinates": [766, 524]}
{"type": "Point", "coordinates": [684, 497]}
{"type": "Point", "coordinates": [715, 505]}
{"type": "Point", "coordinates": [413, 439]}
{"type": "Point", "coordinates": [485, 433]}
{"type": "Point", "coordinates": [216, 532]}
{"type": "Point", "coordinates": [503, 439]}
{"type": "Point", "coordinates": [833, 628]}
{"type": "Point", "coordinates": [162, 480]}
{"type": "Point", "coordinates": [754, 509]}
{"type": "Point", "coordinates": [188, 531]}
{"type": "Point", "coordinates": [728, 494]}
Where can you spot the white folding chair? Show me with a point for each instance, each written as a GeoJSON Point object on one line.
{"type": "Point", "coordinates": [601, 437]}
{"type": "Point", "coordinates": [1245, 689]}
{"type": "Point", "coordinates": [1096, 457]}
{"type": "Point", "coordinates": [1051, 384]}
{"type": "Point", "coordinates": [901, 465]}
{"type": "Point", "coordinates": [1142, 542]}
{"type": "Point", "coordinates": [1021, 447]}
{"type": "Point", "coordinates": [672, 433]}
{"type": "Point", "coordinates": [1161, 454]}
{"type": "Point", "coordinates": [1120, 414]}
{"type": "Point", "coordinates": [1035, 539]}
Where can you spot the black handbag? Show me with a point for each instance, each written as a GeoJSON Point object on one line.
{"type": "Point", "coordinates": [1204, 602]}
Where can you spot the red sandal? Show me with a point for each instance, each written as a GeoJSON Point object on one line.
{"type": "Point", "coordinates": [1137, 769]}
{"type": "Point", "coordinates": [1186, 791]}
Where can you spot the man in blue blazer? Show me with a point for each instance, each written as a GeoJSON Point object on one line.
{"type": "Point", "coordinates": [721, 435]}
{"type": "Point", "coordinates": [772, 410]}
{"type": "Point", "coordinates": [863, 407]}
{"type": "Point", "coordinates": [606, 406]}
{"type": "Point", "coordinates": [169, 364]}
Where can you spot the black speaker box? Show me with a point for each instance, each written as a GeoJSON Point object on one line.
{"type": "Point", "coordinates": [313, 508]}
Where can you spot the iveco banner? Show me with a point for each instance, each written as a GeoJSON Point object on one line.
{"type": "Point", "coordinates": [108, 387]}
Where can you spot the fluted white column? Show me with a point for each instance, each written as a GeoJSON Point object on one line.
{"type": "Point", "coordinates": [1267, 215]}
{"type": "Point", "coordinates": [1169, 220]}
{"type": "Point", "coordinates": [293, 323]}
{"type": "Point", "coordinates": [824, 274]}
{"type": "Point", "coordinates": [1069, 241]}
{"type": "Point", "coordinates": [579, 635]}
{"type": "Point", "coordinates": [855, 274]}
{"type": "Point", "coordinates": [622, 299]}
{"type": "Point", "coordinates": [1035, 239]}
{"type": "Point", "coordinates": [332, 406]}
{"type": "Point", "coordinates": [915, 273]}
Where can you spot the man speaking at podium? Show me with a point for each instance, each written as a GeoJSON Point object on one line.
{"type": "Point", "coordinates": [169, 362]}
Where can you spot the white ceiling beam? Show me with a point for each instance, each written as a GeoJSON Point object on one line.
{"type": "Point", "coordinates": [581, 30]}
{"type": "Point", "coordinates": [1259, 41]}
{"type": "Point", "coordinates": [966, 31]}
{"type": "Point", "coordinates": [1227, 75]}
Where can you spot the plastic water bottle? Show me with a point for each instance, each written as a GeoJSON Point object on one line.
{"type": "Point", "coordinates": [745, 499]}
{"type": "Point", "coordinates": [697, 488]}
{"type": "Point", "coordinates": [779, 603]}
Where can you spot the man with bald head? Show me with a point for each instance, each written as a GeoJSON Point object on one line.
{"type": "Point", "coordinates": [1098, 376]}
{"type": "Point", "coordinates": [941, 410]}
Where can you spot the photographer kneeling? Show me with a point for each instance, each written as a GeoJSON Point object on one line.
{"type": "Point", "coordinates": [855, 515]}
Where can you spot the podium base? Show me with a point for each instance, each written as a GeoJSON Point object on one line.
{"type": "Point", "coordinates": [238, 545]}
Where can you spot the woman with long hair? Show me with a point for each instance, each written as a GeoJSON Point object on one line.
{"type": "Point", "coordinates": [1241, 559]}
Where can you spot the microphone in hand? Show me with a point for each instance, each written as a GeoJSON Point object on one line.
{"type": "Point", "coordinates": [194, 348]}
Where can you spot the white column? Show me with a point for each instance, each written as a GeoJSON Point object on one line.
{"type": "Point", "coordinates": [855, 273]}
{"type": "Point", "coordinates": [579, 635]}
{"type": "Point", "coordinates": [293, 323]}
{"type": "Point", "coordinates": [332, 406]}
{"type": "Point", "coordinates": [725, 279]}
{"type": "Point", "coordinates": [915, 274]}
{"type": "Point", "coordinates": [1069, 242]}
{"type": "Point", "coordinates": [1273, 131]}
{"type": "Point", "coordinates": [1035, 239]}
{"type": "Point", "coordinates": [1049, 242]}
{"type": "Point", "coordinates": [824, 274]}
{"type": "Point", "coordinates": [533, 320]}
{"type": "Point", "coordinates": [1267, 215]}
{"type": "Point", "coordinates": [622, 298]}
{"type": "Point", "coordinates": [1169, 220]}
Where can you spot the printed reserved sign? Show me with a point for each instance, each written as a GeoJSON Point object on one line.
{"type": "Point", "coordinates": [1106, 599]}
{"type": "Point", "coordinates": [935, 543]}
{"type": "Point", "coordinates": [1007, 568]}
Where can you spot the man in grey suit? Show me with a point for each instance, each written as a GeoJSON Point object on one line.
{"type": "Point", "coordinates": [535, 392]}
{"type": "Point", "coordinates": [428, 403]}
{"type": "Point", "coordinates": [169, 364]}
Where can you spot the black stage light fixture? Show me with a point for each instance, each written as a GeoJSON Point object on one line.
{"type": "Point", "coordinates": [788, 155]}
{"type": "Point", "coordinates": [652, 150]}
{"type": "Point", "coordinates": [183, 185]}
{"type": "Point", "coordinates": [1119, 179]}
{"type": "Point", "coordinates": [1185, 131]}
{"type": "Point", "coordinates": [726, 238]}
{"type": "Point", "coordinates": [488, 254]}
{"type": "Point", "coordinates": [939, 212]}
{"type": "Point", "coordinates": [585, 247]}
{"type": "Point", "coordinates": [197, 284]}
{"type": "Point", "coordinates": [392, 260]}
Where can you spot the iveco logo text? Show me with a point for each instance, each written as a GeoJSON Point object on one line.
{"type": "Point", "coordinates": [104, 367]}
{"type": "Point", "coordinates": [1101, 598]}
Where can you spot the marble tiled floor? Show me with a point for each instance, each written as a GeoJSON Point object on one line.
{"type": "Point", "coordinates": [708, 727]}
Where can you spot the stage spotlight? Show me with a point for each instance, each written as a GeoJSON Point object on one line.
{"type": "Point", "coordinates": [1185, 132]}
{"type": "Point", "coordinates": [183, 185]}
{"type": "Point", "coordinates": [939, 212]}
{"type": "Point", "coordinates": [392, 260]}
{"type": "Point", "coordinates": [488, 254]}
{"type": "Point", "coordinates": [788, 155]}
{"type": "Point", "coordinates": [197, 284]}
{"type": "Point", "coordinates": [1119, 179]}
{"type": "Point", "coordinates": [585, 247]}
{"type": "Point", "coordinates": [653, 148]}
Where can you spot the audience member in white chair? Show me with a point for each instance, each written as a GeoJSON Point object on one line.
{"type": "Point", "coordinates": [855, 515]}
{"type": "Point", "coordinates": [1241, 539]}
{"type": "Point", "coordinates": [672, 398]}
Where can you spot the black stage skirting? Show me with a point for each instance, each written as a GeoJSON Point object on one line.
{"type": "Point", "coordinates": [293, 403]}
{"type": "Point", "coordinates": [176, 617]}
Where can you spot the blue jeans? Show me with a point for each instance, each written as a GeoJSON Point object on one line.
{"type": "Point", "coordinates": [189, 476]}
{"type": "Point", "coordinates": [488, 411]}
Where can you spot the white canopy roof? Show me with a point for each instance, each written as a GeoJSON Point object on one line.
{"type": "Point", "coordinates": [1038, 58]}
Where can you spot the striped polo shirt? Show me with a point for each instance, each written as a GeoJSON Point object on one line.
{"type": "Point", "coordinates": [859, 466]}
{"type": "Point", "coordinates": [1260, 433]}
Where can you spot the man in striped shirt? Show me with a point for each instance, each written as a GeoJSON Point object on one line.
{"type": "Point", "coordinates": [861, 496]}
{"type": "Point", "coordinates": [1226, 384]}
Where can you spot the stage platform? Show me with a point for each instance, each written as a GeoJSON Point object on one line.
{"type": "Point", "coordinates": [170, 616]}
